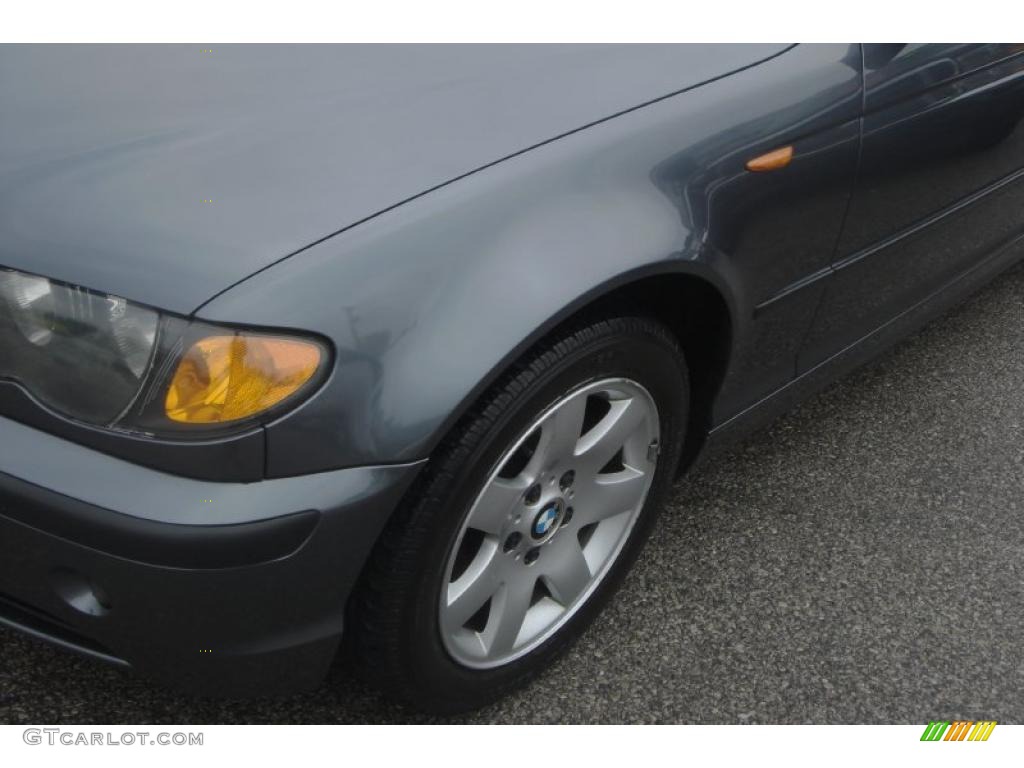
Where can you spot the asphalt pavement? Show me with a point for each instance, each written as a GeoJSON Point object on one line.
{"type": "Point", "coordinates": [859, 561]}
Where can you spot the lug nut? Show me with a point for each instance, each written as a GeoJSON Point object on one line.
{"type": "Point", "coordinates": [533, 495]}
{"type": "Point", "coordinates": [531, 556]}
{"type": "Point", "coordinates": [566, 480]}
{"type": "Point", "coordinates": [513, 541]}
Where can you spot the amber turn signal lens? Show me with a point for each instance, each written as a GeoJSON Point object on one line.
{"type": "Point", "coordinates": [226, 378]}
{"type": "Point", "coordinates": [771, 161]}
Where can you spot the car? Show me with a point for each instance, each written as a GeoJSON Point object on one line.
{"type": "Point", "coordinates": [393, 352]}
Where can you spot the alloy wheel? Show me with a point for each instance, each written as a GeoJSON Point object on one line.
{"type": "Point", "coordinates": [549, 522]}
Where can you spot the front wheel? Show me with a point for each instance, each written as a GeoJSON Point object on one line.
{"type": "Point", "coordinates": [527, 517]}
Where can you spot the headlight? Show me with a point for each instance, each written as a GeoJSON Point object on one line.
{"type": "Point", "coordinates": [108, 362]}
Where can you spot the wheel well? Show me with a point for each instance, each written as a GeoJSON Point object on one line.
{"type": "Point", "coordinates": [698, 316]}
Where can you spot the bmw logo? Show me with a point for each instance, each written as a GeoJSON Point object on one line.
{"type": "Point", "coordinates": [545, 521]}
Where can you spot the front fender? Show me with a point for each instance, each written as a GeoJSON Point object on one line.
{"type": "Point", "coordinates": [427, 302]}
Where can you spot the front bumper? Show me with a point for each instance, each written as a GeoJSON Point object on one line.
{"type": "Point", "coordinates": [213, 588]}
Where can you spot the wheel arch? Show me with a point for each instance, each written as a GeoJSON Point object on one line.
{"type": "Point", "coordinates": [693, 306]}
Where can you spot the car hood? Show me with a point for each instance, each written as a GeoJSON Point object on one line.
{"type": "Point", "coordinates": [168, 173]}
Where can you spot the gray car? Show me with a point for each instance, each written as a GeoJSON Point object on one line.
{"type": "Point", "coordinates": [403, 346]}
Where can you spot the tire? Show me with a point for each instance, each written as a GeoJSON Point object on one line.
{"type": "Point", "coordinates": [407, 638]}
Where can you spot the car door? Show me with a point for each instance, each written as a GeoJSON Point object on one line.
{"type": "Point", "coordinates": [940, 184]}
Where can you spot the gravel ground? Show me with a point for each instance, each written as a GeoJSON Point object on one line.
{"type": "Point", "coordinates": [858, 561]}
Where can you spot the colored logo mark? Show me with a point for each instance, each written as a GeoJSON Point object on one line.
{"type": "Point", "coordinates": [544, 521]}
{"type": "Point", "coordinates": [958, 730]}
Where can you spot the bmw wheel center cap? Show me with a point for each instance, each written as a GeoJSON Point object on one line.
{"type": "Point", "coordinates": [547, 520]}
